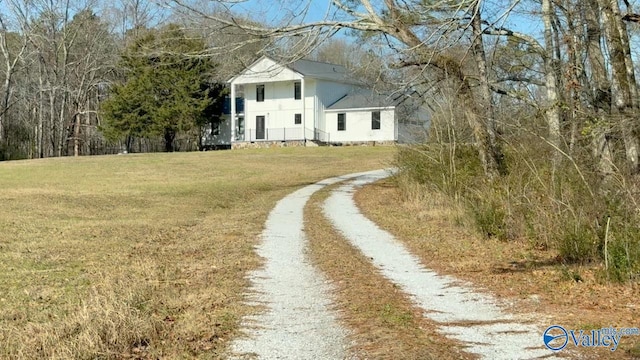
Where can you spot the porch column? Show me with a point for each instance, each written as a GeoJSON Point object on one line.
{"type": "Point", "coordinates": [304, 110]}
{"type": "Point", "coordinates": [233, 113]}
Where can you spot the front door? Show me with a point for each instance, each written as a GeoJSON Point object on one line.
{"type": "Point", "coordinates": [259, 127]}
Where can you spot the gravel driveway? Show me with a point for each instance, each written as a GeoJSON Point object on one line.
{"type": "Point", "coordinates": [298, 321]}
{"type": "Point", "coordinates": [463, 314]}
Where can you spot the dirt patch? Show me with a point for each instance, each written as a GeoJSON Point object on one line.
{"type": "Point", "coordinates": [529, 279]}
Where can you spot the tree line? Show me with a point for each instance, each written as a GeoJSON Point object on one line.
{"type": "Point", "coordinates": [87, 78]}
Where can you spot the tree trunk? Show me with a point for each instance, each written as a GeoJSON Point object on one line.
{"type": "Point", "coordinates": [601, 98]}
{"type": "Point", "coordinates": [621, 89]}
{"type": "Point", "coordinates": [76, 135]}
{"type": "Point", "coordinates": [486, 152]}
{"type": "Point", "coordinates": [630, 118]}
{"type": "Point", "coordinates": [578, 81]}
{"type": "Point", "coordinates": [52, 120]}
{"type": "Point", "coordinates": [5, 100]}
{"type": "Point", "coordinates": [452, 69]}
{"type": "Point", "coordinates": [626, 49]}
{"type": "Point", "coordinates": [553, 110]}
{"type": "Point", "coordinates": [40, 118]}
{"type": "Point", "coordinates": [169, 137]}
{"type": "Point", "coordinates": [486, 105]}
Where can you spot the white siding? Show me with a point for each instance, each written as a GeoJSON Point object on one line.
{"type": "Point", "coordinates": [279, 108]}
{"type": "Point", "coordinates": [358, 126]}
{"type": "Point", "coordinates": [222, 138]}
{"type": "Point", "coordinates": [311, 107]}
{"type": "Point", "coordinates": [328, 93]}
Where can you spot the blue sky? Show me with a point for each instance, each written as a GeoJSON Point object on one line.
{"type": "Point", "coordinates": [275, 11]}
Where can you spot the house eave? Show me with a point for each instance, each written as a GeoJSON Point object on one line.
{"type": "Point", "coordinates": [247, 69]}
{"type": "Point", "coordinates": [370, 108]}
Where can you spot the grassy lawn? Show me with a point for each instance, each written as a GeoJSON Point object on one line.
{"type": "Point", "coordinates": [142, 256]}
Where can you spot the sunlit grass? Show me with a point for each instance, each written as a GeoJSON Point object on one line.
{"type": "Point", "coordinates": [142, 255]}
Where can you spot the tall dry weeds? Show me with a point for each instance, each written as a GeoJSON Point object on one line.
{"type": "Point", "coordinates": [115, 320]}
{"type": "Point", "coordinates": [565, 208]}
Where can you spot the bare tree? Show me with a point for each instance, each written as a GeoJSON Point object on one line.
{"type": "Point", "coordinates": [53, 82]}
{"type": "Point", "coordinates": [624, 88]}
{"type": "Point", "coordinates": [478, 49]}
{"type": "Point", "coordinates": [551, 82]}
{"type": "Point", "coordinates": [11, 59]}
{"type": "Point", "coordinates": [601, 97]}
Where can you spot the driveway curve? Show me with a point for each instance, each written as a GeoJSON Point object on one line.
{"type": "Point", "coordinates": [462, 314]}
{"type": "Point", "coordinates": [298, 321]}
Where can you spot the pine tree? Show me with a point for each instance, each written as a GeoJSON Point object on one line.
{"type": "Point", "coordinates": [166, 89]}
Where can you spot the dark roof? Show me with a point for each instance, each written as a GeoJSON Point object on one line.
{"type": "Point", "coordinates": [320, 70]}
{"type": "Point", "coordinates": [312, 69]}
{"type": "Point", "coordinates": [362, 99]}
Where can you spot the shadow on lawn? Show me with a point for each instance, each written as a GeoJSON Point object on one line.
{"type": "Point", "coordinates": [527, 265]}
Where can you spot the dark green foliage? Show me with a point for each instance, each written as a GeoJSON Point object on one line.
{"type": "Point", "coordinates": [577, 243]}
{"type": "Point", "coordinates": [167, 88]}
{"type": "Point", "coordinates": [489, 218]}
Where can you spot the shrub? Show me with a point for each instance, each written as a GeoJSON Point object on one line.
{"type": "Point", "coordinates": [561, 206]}
{"type": "Point", "coordinates": [489, 218]}
{"type": "Point", "coordinates": [447, 168]}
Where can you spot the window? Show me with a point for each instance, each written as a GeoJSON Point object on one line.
{"type": "Point", "coordinates": [260, 93]}
{"type": "Point", "coordinates": [342, 122]}
{"type": "Point", "coordinates": [375, 120]}
{"type": "Point", "coordinates": [215, 128]}
{"type": "Point", "coordinates": [298, 119]}
{"type": "Point", "coordinates": [297, 90]}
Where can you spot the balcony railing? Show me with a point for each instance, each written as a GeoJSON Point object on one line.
{"type": "Point", "coordinates": [321, 136]}
{"type": "Point", "coordinates": [274, 134]}
{"type": "Point", "coordinates": [283, 134]}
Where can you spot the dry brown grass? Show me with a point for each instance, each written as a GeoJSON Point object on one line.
{"type": "Point", "coordinates": [530, 279]}
{"type": "Point", "coordinates": [141, 256]}
{"type": "Point", "coordinates": [382, 318]}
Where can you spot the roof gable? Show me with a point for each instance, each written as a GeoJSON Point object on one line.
{"type": "Point", "coordinates": [266, 69]}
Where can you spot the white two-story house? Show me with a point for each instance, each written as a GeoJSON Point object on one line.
{"type": "Point", "coordinates": [306, 101]}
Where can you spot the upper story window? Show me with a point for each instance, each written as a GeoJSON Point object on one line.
{"type": "Point", "coordinates": [260, 93]}
{"type": "Point", "coordinates": [297, 90]}
{"type": "Point", "coordinates": [342, 122]}
{"type": "Point", "coordinates": [375, 120]}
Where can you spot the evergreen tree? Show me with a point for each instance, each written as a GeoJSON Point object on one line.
{"type": "Point", "coordinates": [167, 88]}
